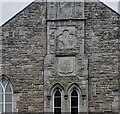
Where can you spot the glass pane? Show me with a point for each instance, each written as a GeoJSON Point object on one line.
{"type": "Point", "coordinates": [57, 93]}
{"type": "Point", "coordinates": [57, 111]}
{"type": "Point", "coordinates": [1, 108]}
{"type": "Point", "coordinates": [74, 110]}
{"type": "Point", "coordinates": [57, 99]}
{"type": "Point", "coordinates": [74, 93]}
{"type": "Point", "coordinates": [1, 97]}
{"type": "Point", "coordinates": [4, 83]}
{"type": "Point", "coordinates": [1, 89]}
{"type": "Point", "coordinates": [8, 88]}
{"type": "Point", "coordinates": [8, 97]}
{"type": "Point", "coordinates": [8, 107]}
{"type": "Point", "coordinates": [57, 102]}
{"type": "Point", "coordinates": [74, 101]}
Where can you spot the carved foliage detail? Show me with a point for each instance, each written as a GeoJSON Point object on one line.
{"type": "Point", "coordinates": [66, 39]}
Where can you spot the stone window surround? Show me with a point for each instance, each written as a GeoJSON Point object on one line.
{"type": "Point", "coordinates": [66, 95]}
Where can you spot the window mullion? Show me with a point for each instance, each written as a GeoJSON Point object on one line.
{"type": "Point", "coordinates": [3, 99]}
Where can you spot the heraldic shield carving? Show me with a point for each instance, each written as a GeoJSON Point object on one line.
{"type": "Point", "coordinates": [66, 66]}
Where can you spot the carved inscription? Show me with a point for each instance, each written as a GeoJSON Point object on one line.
{"type": "Point", "coordinates": [66, 66]}
{"type": "Point", "coordinates": [66, 39]}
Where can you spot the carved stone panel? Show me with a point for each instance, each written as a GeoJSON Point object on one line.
{"type": "Point", "coordinates": [66, 38]}
{"type": "Point", "coordinates": [65, 10]}
{"type": "Point", "coordinates": [66, 66]}
{"type": "Point", "coordinates": [51, 13]}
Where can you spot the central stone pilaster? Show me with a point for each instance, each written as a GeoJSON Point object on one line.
{"type": "Point", "coordinates": [65, 65]}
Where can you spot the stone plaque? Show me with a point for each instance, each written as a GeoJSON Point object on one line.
{"type": "Point", "coordinates": [66, 38]}
{"type": "Point", "coordinates": [66, 66]}
{"type": "Point", "coordinates": [65, 10]}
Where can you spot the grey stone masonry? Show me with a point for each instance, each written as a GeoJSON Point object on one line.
{"type": "Point", "coordinates": [23, 51]}
{"type": "Point", "coordinates": [65, 46]}
{"type": "Point", "coordinates": [102, 33]}
{"type": "Point", "coordinates": [65, 64]}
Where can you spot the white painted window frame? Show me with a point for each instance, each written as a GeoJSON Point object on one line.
{"type": "Point", "coordinates": [78, 99]}
{"type": "Point", "coordinates": [61, 98]}
{"type": "Point", "coordinates": [4, 92]}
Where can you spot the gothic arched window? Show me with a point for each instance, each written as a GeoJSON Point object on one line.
{"type": "Point", "coordinates": [74, 102]}
{"type": "Point", "coordinates": [57, 102]}
{"type": "Point", "coordinates": [6, 96]}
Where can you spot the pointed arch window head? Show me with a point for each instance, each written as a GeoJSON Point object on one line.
{"type": "Point", "coordinates": [57, 102]}
{"type": "Point", "coordinates": [6, 96]}
{"type": "Point", "coordinates": [74, 102]}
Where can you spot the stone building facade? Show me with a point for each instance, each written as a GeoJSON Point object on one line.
{"type": "Point", "coordinates": [61, 56]}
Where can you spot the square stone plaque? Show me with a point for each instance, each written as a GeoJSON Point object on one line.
{"type": "Point", "coordinates": [65, 66]}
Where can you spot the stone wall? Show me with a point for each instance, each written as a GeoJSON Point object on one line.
{"type": "Point", "coordinates": [23, 51]}
{"type": "Point", "coordinates": [65, 65]}
{"type": "Point", "coordinates": [101, 44]}
{"type": "Point", "coordinates": [33, 55]}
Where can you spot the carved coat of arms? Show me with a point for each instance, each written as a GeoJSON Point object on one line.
{"type": "Point", "coordinates": [66, 65]}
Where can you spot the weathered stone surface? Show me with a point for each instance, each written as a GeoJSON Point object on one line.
{"type": "Point", "coordinates": [23, 49]}
{"type": "Point", "coordinates": [101, 44]}
{"type": "Point", "coordinates": [66, 37]}
{"type": "Point", "coordinates": [67, 65]}
{"type": "Point", "coordinates": [72, 44]}
{"type": "Point", "coordinates": [65, 10]}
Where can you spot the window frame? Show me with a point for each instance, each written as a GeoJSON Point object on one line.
{"type": "Point", "coordinates": [78, 99]}
{"type": "Point", "coordinates": [4, 93]}
{"type": "Point", "coordinates": [54, 99]}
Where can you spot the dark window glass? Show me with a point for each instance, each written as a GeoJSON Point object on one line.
{"type": "Point", "coordinates": [74, 93]}
{"type": "Point", "coordinates": [57, 102]}
{"type": "Point", "coordinates": [57, 93]}
{"type": "Point", "coordinates": [57, 111]}
{"type": "Point", "coordinates": [74, 102]}
{"type": "Point", "coordinates": [74, 110]}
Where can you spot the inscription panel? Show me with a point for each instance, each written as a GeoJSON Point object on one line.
{"type": "Point", "coordinates": [66, 66]}
{"type": "Point", "coordinates": [65, 10]}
